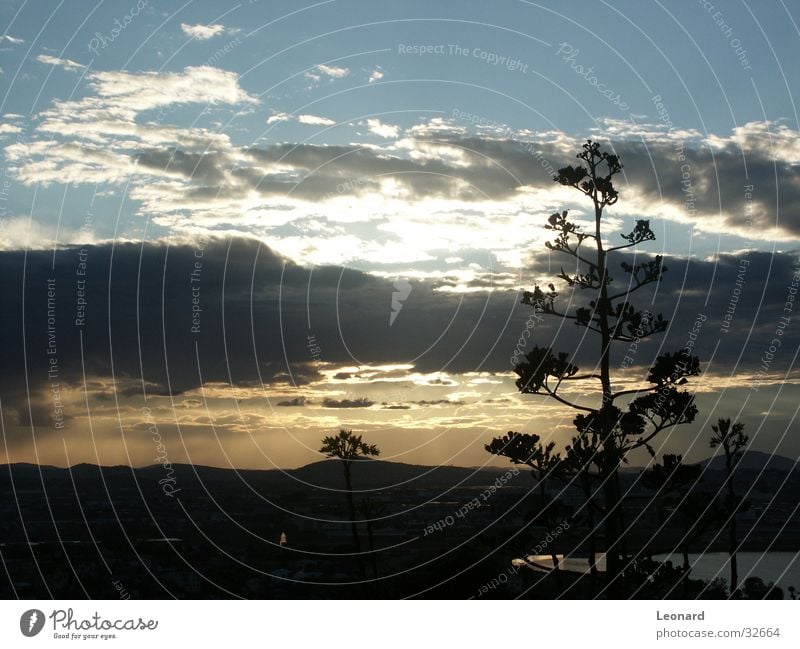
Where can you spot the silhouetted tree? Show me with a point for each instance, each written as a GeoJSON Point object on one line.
{"type": "Point", "coordinates": [625, 420]}
{"type": "Point", "coordinates": [349, 448]}
{"type": "Point", "coordinates": [526, 449]}
{"type": "Point", "coordinates": [733, 441]}
{"type": "Point", "coordinates": [696, 511]}
{"type": "Point", "coordinates": [370, 510]}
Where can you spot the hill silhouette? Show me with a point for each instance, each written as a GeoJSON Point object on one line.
{"type": "Point", "coordinates": [326, 474]}
{"type": "Point", "coordinates": [753, 461]}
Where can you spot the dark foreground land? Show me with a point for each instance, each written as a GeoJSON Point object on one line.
{"type": "Point", "coordinates": [200, 532]}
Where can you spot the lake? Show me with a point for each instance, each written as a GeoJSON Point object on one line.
{"type": "Point", "coordinates": [782, 568]}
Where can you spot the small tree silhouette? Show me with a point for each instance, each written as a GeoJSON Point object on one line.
{"type": "Point", "coordinates": [526, 449]}
{"type": "Point", "coordinates": [696, 511]}
{"type": "Point", "coordinates": [350, 448]}
{"type": "Point", "coordinates": [733, 441]}
{"type": "Point", "coordinates": [371, 510]}
{"type": "Point", "coordinates": [625, 420]}
{"type": "Point", "coordinates": [578, 461]}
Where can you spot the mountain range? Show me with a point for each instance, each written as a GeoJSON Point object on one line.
{"type": "Point", "coordinates": [327, 474]}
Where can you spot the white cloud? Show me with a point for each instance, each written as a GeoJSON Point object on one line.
{"type": "Point", "coordinates": [439, 192]}
{"type": "Point", "coordinates": [98, 138]}
{"type": "Point", "coordinates": [376, 75]}
{"type": "Point", "coordinates": [330, 71]}
{"type": "Point", "coordinates": [437, 127]}
{"type": "Point", "coordinates": [333, 71]}
{"type": "Point", "coordinates": [384, 130]}
{"type": "Point", "coordinates": [140, 91]}
{"type": "Point", "coordinates": [7, 129]}
{"type": "Point", "coordinates": [11, 39]}
{"type": "Point", "coordinates": [769, 138]}
{"type": "Point", "coordinates": [67, 64]}
{"type": "Point", "coordinates": [278, 117]}
{"type": "Point", "coordinates": [202, 32]}
{"type": "Point", "coordinates": [315, 120]}
{"type": "Point", "coordinates": [25, 232]}
{"type": "Point", "coordinates": [611, 127]}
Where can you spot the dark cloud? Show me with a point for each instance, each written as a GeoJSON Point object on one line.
{"type": "Point", "coordinates": [487, 170]}
{"type": "Point", "coordinates": [265, 320]}
{"type": "Point", "coordinates": [690, 175]}
{"type": "Point", "coordinates": [206, 168]}
{"type": "Point", "coordinates": [361, 402]}
{"type": "Point", "coordinates": [713, 182]}
{"type": "Point", "coordinates": [297, 402]}
{"type": "Point", "coordinates": [738, 300]}
{"type": "Point", "coordinates": [700, 179]}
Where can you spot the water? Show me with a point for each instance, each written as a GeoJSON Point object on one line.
{"type": "Point", "coordinates": [573, 564]}
{"type": "Point", "coordinates": [781, 568]}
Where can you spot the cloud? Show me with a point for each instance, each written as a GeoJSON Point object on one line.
{"type": "Point", "coordinates": [297, 402]}
{"type": "Point", "coordinates": [315, 120]}
{"type": "Point", "coordinates": [140, 91]}
{"type": "Point", "coordinates": [375, 75]}
{"type": "Point", "coordinates": [202, 32]}
{"type": "Point", "coordinates": [7, 129]}
{"type": "Point", "coordinates": [99, 138]}
{"type": "Point", "coordinates": [333, 71]}
{"type": "Point", "coordinates": [329, 71]}
{"type": "Point", "coordinates": [420, 198]}
{"type": "Point", "coordinates": [258, 310]}
{"type": "Point", "coordinates": [12, 39]}
{"type": "Point", "coordinates": [67, 64]}
{"type": "Point", "coordinates": [362, 402]}
{"type": "Point", "coordinates": [22, 232]}
{"type": "Point", "coordinates": [278, 117]}
{"type": "Point", "coordinates": [348, 312]}
{"type": "Point", "coordinates": [167, 356]}
{"type": "Point", "coordinates": [384, 130]}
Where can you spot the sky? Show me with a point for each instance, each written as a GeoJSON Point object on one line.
{"type": "Point", "coordinates": [227, 231]}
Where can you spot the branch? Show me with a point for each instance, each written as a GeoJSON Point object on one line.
{"type": "Point", "coordinates": [641, 284]}
{"type": "Point", "coordinates": [582, 377]}
{"type": "Point", "coordinates": [657, 428]}
{"type": "Point", "coordinates": [633, 391]}
{"type": "Point", "coordinates": [564, 401]}
{"type": "Point", "coordinates": [576, 378]}
{"type": "Point", "coordinates": [627, 245]}
{"type": "Point", "coordinates": [564, 247]}
{"type": "Point", "coordinates": [652, 271]}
